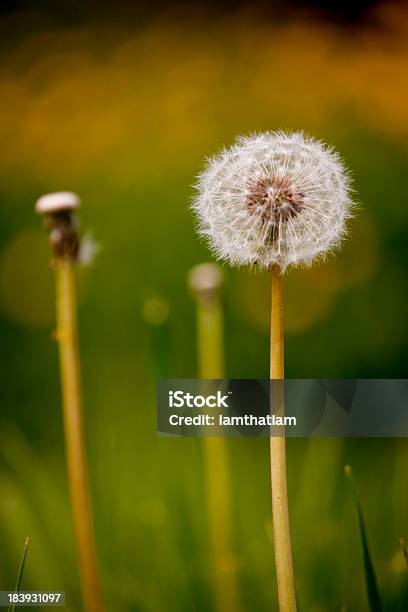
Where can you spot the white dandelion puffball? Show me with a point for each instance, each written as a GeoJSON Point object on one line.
{"type": "Point", "coordinates": [273, 198]}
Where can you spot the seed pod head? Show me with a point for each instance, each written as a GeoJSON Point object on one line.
{"type": "Point", "coordinates": [205, 282]}
{"type": "Point", "coordinates": [273, 198]}
{"type": "Point", "coordinates": [58, 210]}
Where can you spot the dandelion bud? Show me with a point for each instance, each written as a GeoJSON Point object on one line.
{"type": "Point", "coordinates": [273, 198]}
{"type": "Point", "coordinates": [205, 282]}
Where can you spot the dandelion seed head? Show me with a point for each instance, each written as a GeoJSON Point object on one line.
{"type": "Point", "coordinates": [273, 198]}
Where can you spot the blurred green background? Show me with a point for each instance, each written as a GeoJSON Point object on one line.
{"type": "Point", "coordinates": [122, 107]}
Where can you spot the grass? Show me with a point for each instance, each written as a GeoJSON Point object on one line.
{"type": "Point", "coordinates": [20, 572]}
{"type": "Point", "coordinates": [373, 594]}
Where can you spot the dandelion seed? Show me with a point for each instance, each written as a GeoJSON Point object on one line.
{"type": "Point", "coordinates": [88, 250]}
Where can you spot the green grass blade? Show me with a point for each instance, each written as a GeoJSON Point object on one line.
{"type": "Point", "coordinates": [20, 573]}
{"type": "Point", "coordinates": [373, 594]}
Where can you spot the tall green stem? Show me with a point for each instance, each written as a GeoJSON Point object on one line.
{"type": "Point", "coordinates": [280, 511]}
{"type": "Point", "coordinates": [74, 437]}
{"type": "Point", "coordinates": [210, 349]}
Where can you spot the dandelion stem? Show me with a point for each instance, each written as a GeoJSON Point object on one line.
{"type": "Point", "coordinates": [210, 350]}
{"type": "Point", "coordinates": [280, 511]}
{"type": "Point", "coordinates": [74, 436]}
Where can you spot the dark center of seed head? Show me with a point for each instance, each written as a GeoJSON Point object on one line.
{"type": "Point", "coordinates": [275, 198]}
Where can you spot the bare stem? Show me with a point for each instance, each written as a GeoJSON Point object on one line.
{"type": "Point", "coordinates": [210, 338]}
{"type": "Point", "coordinates": [280, 512]}
{"type": "Point", "coordinates": [74, 437]}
